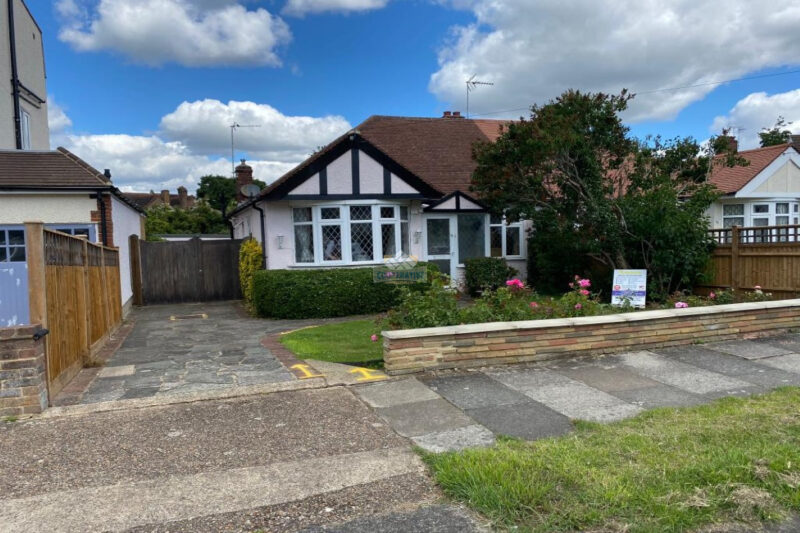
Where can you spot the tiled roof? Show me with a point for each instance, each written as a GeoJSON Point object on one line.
{"type": "Point", "coordinates": [149, 199]}
{"type": "Point", "coordinates": [730, 180]}
{"type": "Point", "coordinates": [58, 169]}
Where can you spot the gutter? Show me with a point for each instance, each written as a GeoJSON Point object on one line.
{"type": "Point", "coordinates": [14, 74]}
{"type": "Point", "coordinates": [263, 235]}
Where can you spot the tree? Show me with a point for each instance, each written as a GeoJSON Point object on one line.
{"type": "Point", "coordinates": [202, 218]}
{"type": "Point", "coordinates": [598, 198]}
{"type": "Point", "coordinates": [220, 192]}
{"type": "Point", "coordinates": [778, 134]}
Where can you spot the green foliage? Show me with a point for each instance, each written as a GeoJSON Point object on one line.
{"type": "Point", "coordinates": [437, 306]}
{"type": "Point", "coordinates": [344, 342]}
{"type": "Point", "coordinates": [199, 219]}
{"type": "Point", "coordinates": [325, 293]}
{"type": "Point", "coordinates": [220, 192]}
{"type": "Point", "coordinates": [777, 134]}
{"type": "Point", "coordinates": [598, 199]}
{"type": "Point", "coordinates": [736, 460]}
{"type": "Point", "coordinates": [251, 259]}
{"type": "Point", "coordinates": [486, 273]}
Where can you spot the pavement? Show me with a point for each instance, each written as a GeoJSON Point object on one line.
{"type": "Point", "coordinates": [453, 410]}
{"type": "Point", "coordinates": [185, 349]}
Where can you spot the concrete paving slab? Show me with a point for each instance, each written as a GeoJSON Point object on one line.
{"type": "Point", "coordinates": [432, 519]}
{"type": "Point", "coordinates": [607, 379]}
{"type": "Point", "coordinates": [660, 395]}
{"type": "Point", "coordinates": [420, 418]}
{"type": "Point", "coordinates": [339, 374]}
{"type": "Point", "coordinates": [731, 365]}
{"type": "Point", "coordinates": [474, 390]}
{"type": "Point", "coordinates": [679, 375]}
{"type": "Point", "coordinates": [571, 398]}
{"type": "Point", "coordinates": [530, 420]}
{"type": "Point", "coordinates": [749, 349]}
{"type": "Point", "coordinates": [398, 392]}
{"type": "Point", "coordinates": [116, 371]}
{"type": "Point", "coordinates": [787, 363]}
{"type": "Point", "coordinates": [455, 439]}
{"type": "Point", "coordinates": [790, 341]}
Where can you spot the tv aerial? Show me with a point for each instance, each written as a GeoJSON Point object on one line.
{"type": "Point", "coordinates": [472, 84]}
{"type": "Point", "coordinates": [234, 127]}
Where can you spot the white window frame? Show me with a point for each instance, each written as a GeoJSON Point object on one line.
{"type": "Point", "coordinates": [505, 226]}
{"type": "Point", "coordinates": [25, 129]}
{"type": "Point", "coordinates": [344, 222]}
{"type": "Point", "coordinates": [743, 216]}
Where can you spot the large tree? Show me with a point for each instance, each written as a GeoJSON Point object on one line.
{"type": "Point", "coordinates": [220, 192]}
{"type": "Point", "coordinates": [598, 197]}
{"type": "Point", "coordinates": [777, 134]}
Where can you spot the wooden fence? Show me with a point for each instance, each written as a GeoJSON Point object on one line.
{"type": "Point", "coordinates": [74, 289]}
{"type": "Point", "coordinates": [764, 256]}
{"type": "Point", "coordinates": [184, 271]}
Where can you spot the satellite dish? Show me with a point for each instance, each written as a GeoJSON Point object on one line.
{"type": "Point", "coordinates": [250, 190]}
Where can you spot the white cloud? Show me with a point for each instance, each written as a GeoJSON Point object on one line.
{"type": "Point", "coordinates": [533, 50]}
{"type": "Point", "coordinates": [204, 125]}
{"type": "Point", "coordinates": [57, 119]}
{"type": "Point", "coordinates": [300, 8]}
{"type": "Point", "coordinates": [193, 33]}
{"type": "Point", "coordinates": [177, 156]}
{"type": "Point", "coordinates": [760, 110]}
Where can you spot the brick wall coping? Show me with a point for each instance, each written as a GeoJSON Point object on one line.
{"type": "Point", "coordinates": [636, 316]}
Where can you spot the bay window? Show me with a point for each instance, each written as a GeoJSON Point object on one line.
{"type": "Point", "coordinates": [732, 215]}
{"type": "Point", "coordinates": [353, 233]}
{"type": "Point", "coordinates": [505, 237]}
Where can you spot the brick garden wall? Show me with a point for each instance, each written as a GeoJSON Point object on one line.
{"type": "Point", "coordinates": [23, 383]}
{"type": "Point", "coordinates": [494, 343]}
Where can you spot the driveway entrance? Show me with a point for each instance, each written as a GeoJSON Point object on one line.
{"type": "Point", "coordinates": [190, 348]}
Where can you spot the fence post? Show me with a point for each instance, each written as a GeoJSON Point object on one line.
{"type": "Point", "coordinates": [136, 269]}
{"type": "Point", "coordinates": [87, 315]}
{"type": "Point", "coordinates": [34, 250]}
{"type": "Point", "coordinates": [735, 258]}
{"type": "Point", "coordinates": [104, 283]}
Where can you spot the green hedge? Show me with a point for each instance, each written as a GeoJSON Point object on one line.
{"type": "Point", "coordinates": [482, 273]}
{"type": "Point", "coordinates": [325, 293]}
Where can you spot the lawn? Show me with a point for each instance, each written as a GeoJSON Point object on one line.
{"type": "Point", "coordinates": [665, 470]}
{"type": "Point", "coordinates": [343, 342]}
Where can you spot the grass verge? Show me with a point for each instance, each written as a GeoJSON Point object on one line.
{"type": "Point", "coordinates": [736, 460]}
{"type": "Point", "coordinates": [344, 342]}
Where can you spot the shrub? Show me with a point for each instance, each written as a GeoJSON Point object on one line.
{"type": "Point", "coordinates": [250, 261]}
{"type": "Point", "coordinates": [437, 306]}
{"type": "Point", "coordinates": [486, 273]}
{"type": "Point", "coordinates": [326, 293]}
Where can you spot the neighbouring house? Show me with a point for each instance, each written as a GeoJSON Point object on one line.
{"type": "Point", "coordinates": [68, 195]}
{"type": "Point", "coordinates": [182, 237]}
{"type": "Point", "coordinates": [391, 186]}
{"type": "Point", "coordinates": [23, 106]}
{"type": "Point", "coordinates": [766, 192]}
{"type": "Point", "coordinates": [146, 200]}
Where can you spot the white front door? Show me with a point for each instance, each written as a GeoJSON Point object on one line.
{"type": "Point", "coordinates": [440, 242]}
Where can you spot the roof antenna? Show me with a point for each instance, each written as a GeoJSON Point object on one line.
{"type": "Point", "coordinates": [472, 83]}
{"type": "Point", "coordinates": [234, 127]}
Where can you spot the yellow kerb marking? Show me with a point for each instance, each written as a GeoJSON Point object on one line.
{"type": "Point", "coordinates": [367, 374]}
{"type": "Point", "coordinates": [306, 370]}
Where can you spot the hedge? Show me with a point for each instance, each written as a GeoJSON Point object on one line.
{"type": "Point", "coordinates": [481, 273]}
{"type": "Point", "coordinates": [325, 293]}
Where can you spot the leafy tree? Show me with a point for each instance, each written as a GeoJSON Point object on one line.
{"type": "Point", "coordinates": [199, 219]}
{"type": "Point", "coordinates": [598, 198]}
{"type": "Point", "coordinates": [220, 192]}
{"type": "Point", "coordinates": [777, 134]}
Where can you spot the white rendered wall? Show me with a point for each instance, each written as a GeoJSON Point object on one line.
{"type": "Point", "coordinates": [127, 221]}
{"type": "Point", "coordinates": [49, 208]}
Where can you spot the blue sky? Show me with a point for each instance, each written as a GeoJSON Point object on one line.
{"type": "Point", "coordinates": [146, 87]}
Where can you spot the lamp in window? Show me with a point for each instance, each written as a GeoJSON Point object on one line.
{"type": "Point", "coordinates": [280, 242]}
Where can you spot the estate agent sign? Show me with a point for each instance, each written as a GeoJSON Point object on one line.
{"type": "Point", "coordinates": [630, 286]}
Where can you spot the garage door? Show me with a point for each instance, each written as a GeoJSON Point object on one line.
{"type": "Point", "coordinates": [13, 277]}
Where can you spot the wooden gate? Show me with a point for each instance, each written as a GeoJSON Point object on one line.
{"type": "Point", "coordinates": [185, 271]}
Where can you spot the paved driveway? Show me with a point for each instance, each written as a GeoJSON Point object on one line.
{"type": "Point", "coordinates": [190, 348]}
{"type": "Point", "coordinates": [452, 410]}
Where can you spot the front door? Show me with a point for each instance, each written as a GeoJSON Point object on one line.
{"type": "Point", "coordinates": [440, 243]}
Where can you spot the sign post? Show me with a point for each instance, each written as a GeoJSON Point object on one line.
{"type": "Point", "coordinates": [629, 286]}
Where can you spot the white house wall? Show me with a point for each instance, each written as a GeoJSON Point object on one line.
{"type": "Point", "coordinates": [50, 208]}
{"type": "Point", "coordinates": [785, 180]}
{"type": "Point", "coordinates": [340, 175]}
{"type": "Point", "coordinates": [127, 221]}
{"type": "Point", "coordinates": [310, 186]}
{"type": "Point", "coordinates": [370, 174]}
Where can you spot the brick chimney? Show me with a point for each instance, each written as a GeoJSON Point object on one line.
{"type": "Point", "coordinates": [183, 197]}
{"type": "Point", "coordinates": [244, 176]}
{"type": "Point", "coordinates": [165, 197]}
{"type": "Point", "coordinates": [457, 114]}
{"type": "Point", "coordinates": [733, 144]}
{"type": "Point", "coordinates": [447, 114]}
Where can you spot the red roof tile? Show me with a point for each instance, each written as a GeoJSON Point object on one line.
{"type": "Point", "coordinates": [59, 169]}
{"type": "Point", "coordinates": [730, 180]}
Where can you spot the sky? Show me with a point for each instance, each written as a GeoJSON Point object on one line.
{"type": "Point", "coordinates": [149, 88]}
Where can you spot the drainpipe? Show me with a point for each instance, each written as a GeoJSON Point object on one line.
{"type": "Point", "coordinates": [14, 74]}
{"type": "Point", "coordinates": [263, 235]}
{"type": "Point", "coordinates": [103, 225]}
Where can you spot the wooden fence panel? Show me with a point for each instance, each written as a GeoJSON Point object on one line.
{"type": "Point", "coordinates": [765, 256]}
{"type": "Point", "coordinates": [189, 271]}
{"type": "Point", "coordinates": [77, 298]}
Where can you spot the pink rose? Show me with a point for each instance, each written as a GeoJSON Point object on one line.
{"type": "Point", "coordinates": [681, 305]}
{"type": "Point", "coordinates": [712, 295]}
{"type": "Point", "coordinates": [571, 285]}
{"type": "Point", "coordinates": [757, 287]}
{"type": "Point", "coordinates": [584, 283]}
{"type": "Point", "coordinates": [584, 292]}
{"type": "Point", "coordinates": [578, 307]}
{"type": "Point", "coordinates": [374, 338]}
{"type": "Point", "coordinates": [534, 305]}
{"type": "Point", "coordinates": [517, 284]}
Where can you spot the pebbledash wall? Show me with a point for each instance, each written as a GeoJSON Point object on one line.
{"type": "Point", "coordinates": [23, 384]}
{"type": "Point", "coordinates": [414, 350]}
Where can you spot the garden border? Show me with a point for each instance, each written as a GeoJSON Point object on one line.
{"type": "Point", "coordinates": [469, 345]}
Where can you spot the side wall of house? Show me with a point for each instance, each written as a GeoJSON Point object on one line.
{"type": "Point", "coordinates": [50, 208]}
{"type": "Point", "coordinates": [127, 222]}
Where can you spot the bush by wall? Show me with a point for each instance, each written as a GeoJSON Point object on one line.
{"type": "Point", "coordinates": [250, 261]}
{"type": "Point", "coordinates": [326, 293]}
{"type": "Point", "coordinates": [486, 273]}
